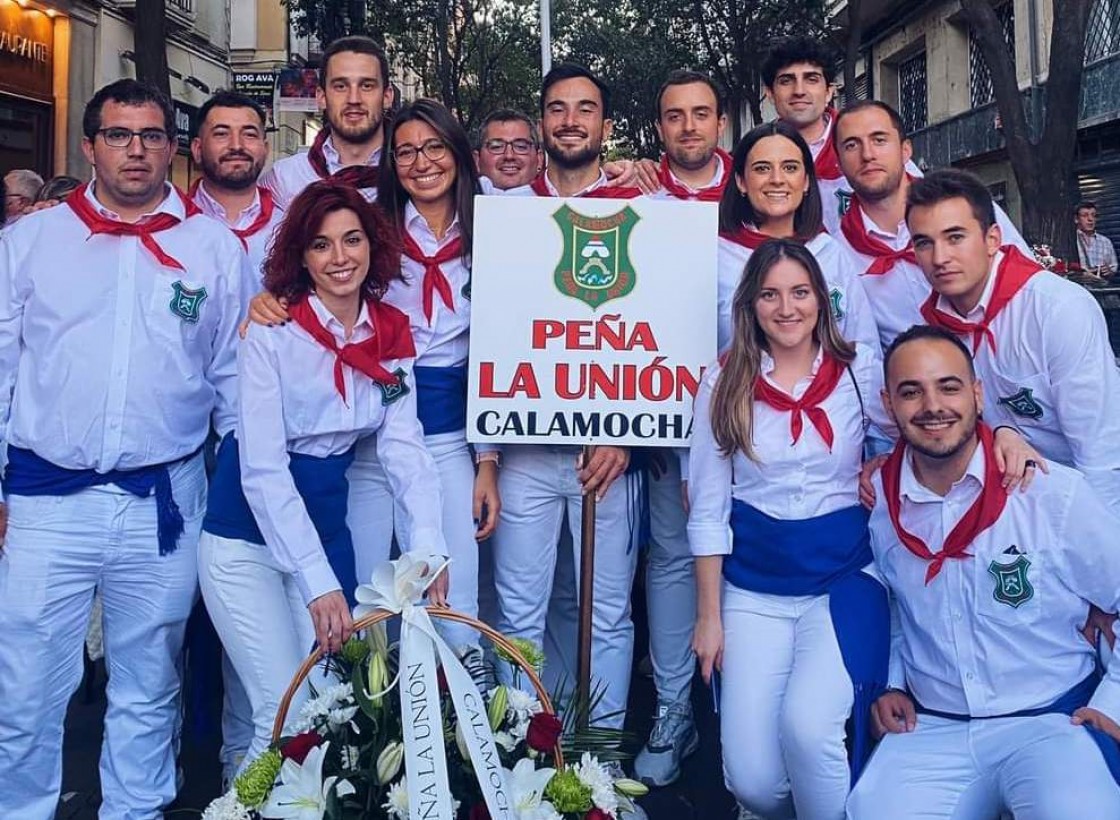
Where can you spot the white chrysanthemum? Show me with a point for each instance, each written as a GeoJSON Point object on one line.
{"type": "Point", "coordinates": [506, 740]}
{"type": "Point", "coordinates": [333, 708]}
{"type": "Point", "coordinates": [396, 801]}
{"type": "Point", "coordinates": [592, 773]}
{"type": "Point", "coordinates": [227, 807]}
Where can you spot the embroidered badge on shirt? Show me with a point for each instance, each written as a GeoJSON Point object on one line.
{"type": "Point", "coordinates": [835, 299]}
{"type": "Point", "coordinates": [595, 266]}
{"type": "Point", "coordinates": [845, 201]}
{"type": "Point", "coordinates": [1012, 586]}
{"type": "Point", "coordinates": [1023, 404]}
{"type": "Point", "coordinates": [185, 302]}
{"type": "Point", "coordinates": [391, 392]}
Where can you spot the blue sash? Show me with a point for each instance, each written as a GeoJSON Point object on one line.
{"type": "Point", "coordinates": [814, 556]}
{"type": "Point", "coordinates": [31, 475]}
{"type": "Point", "coordinates": [1066, 704]}
{"type": "Point", "coordinates": [321, 483]}
{"type": "Point", "coordinates": [441, 398]}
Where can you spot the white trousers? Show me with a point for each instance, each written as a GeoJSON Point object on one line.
{"type": "Point", "coordinates": [265, 627]}
{"type": "Point", "coordinates": [373, 513]}
{"type": "Point", "coordinates": [1036, 768]}
{"type": "Point", "coordinates": [237, 719]}
{"type": "Point", "coordinates": [538, 484]}
{"type": "Point", "coordinates": [58, 550]}
{"type": "Point", "coordinates": [670, 587]}
{"type": "Point", "coordinates": [785, 699]}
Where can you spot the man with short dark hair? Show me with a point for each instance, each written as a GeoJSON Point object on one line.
{"type": "Point", "coordinates": [1040, 342]}
{"type": "Point", "coordinates": [994, 702]}
{"type": "Point", "coordinates": [690, 121]}
{"type": "Point", "coordinates": [354, 95]}
{"type": "Point", "coordinates": [1094, 250]}
{"type": "Point", "coordinates": [118, 348]}
{"type": "Point", "coordinates": [508, 152]}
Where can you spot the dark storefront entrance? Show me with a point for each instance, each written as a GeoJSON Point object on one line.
{"type": "Point", "coordinates": [26, 89]}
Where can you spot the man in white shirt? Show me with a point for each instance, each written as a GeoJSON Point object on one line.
{"type": "Point", "coordinates": [1040, 342]}
{"type": "Point", "coordinates": [231, 150]}
{"type": "Point", "coordinates": [1094, 251]}
{"type": "Point", "coordinates": [874, 153]}
{"type": "Point", "coordinates": [118, 315]}
{"type": "Point", "coordinates": [508, 152]}
{"type": "Point", "coordinates": [354, 95]}
{"type": "Point", "coordinates": [995, 702]}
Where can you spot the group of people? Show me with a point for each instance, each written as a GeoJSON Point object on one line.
{"type": "Point", "coordinates": [848, 550]}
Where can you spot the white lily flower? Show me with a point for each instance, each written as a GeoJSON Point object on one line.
{"type": "Point", "coordinates": [395, 585]}
{"type": "Point", "coordinates": [389, 761]}
{"type": "Point", "coordinates": [526, 784]}
{"type": "Point", "coordinates": [302, 793]}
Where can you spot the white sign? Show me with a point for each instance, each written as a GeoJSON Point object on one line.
{"type": "Point", "coordinates": [592, 320]}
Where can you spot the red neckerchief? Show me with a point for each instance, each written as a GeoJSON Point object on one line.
{"type": "Point", "coordinates": [824, 382]}
{"type": "Point", "coordinates": [268, 206]}
{"type": "Point", "coordinates": [434, 279]}
{"type": "Point", "coordinates": [851, 224]}
{"type": "Point", "coordinates": [1014, 271]}
{"type": "Point", "coordinates": [746, 236]}
{"type": "Point", "coordinates": [827, 163]}
{"type": "Point", "coordinates": [391, 339]}
{"type": "Point", "coordinates": [540, 188]}
{"type": "Point", "coordinates": [710, 194]}
{"type": "Point", "coordinates": [360, 176]}
{"type": "Point", "coordinates": [984, 512]}
{"type": "Point", "coordinates": [146, 229]}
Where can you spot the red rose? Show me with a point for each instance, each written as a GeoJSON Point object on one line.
{"type": "Point", "coordinates": [300, 746]}
{"type": "Point", "coordinates": [596, 813]}
{"type": "Point", "coordinates": [479, 812]}
{"type": "Point", "coordinates": [543, 732]}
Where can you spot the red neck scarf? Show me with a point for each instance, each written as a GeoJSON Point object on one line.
{"type": "Point", "coordinates": [746, 236]}
{"type": "Point", "coordinates": [827, 163]}
{"type": "Point", "coordinates": [434, 279]}
{"type": "Point", "coordinates": [391, 339]}
{"type": "Point", "coordinates": [540, 188]}
{"type": "Point", "coordinates": [851, 224]}
{"type": "Point", "coordinates": [360, 176]}
{"type": "Point", "coordinates": [146, 230]}
{"type": "Point", "coordinates": [710, 194]}
{"type": "Point", "coordinates": [268, 207]}
{"type": "Point", "coordinates": [1014, 271]}
{"type": "Point", "coordinates": [824, 382]}
{"type": "Point", "coordinates": [984, 512]}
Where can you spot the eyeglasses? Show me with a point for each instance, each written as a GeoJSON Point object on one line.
{"type": "Point", "coordinates": [498, 146]}
{"type": "Point", "coordinates": [433, 149]}
{"type": "Point", "coordinates": [153, 139]}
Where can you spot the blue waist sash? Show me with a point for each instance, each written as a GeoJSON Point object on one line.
{"type": "Point", "coordinates": [441, 398]}
{"type": "Point", "coordinates": [1066, 704]}
{"type": "Point", "coordinates": [31, 475]}
{"type": "Point", "coordinates": [320, 482]}
{"type": "Point", "coordinates": [815, 556]}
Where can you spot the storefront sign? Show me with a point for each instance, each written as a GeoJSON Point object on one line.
{"type": "Point", "coordinates": [259, 86]}
{"type": "Point", "coordinates": [297, 90]}
{"type": "Point", "coordinates": [186, 124]}
{"type": "Point", "coordinates": [26, 51]}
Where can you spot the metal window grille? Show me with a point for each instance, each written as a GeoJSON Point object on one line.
{"type": "Point", "coordinates": [980, 88]}
{"type": "Point", "coordinates": [912, 103]}
{"type": "Point", "coordinates": [185, 6]}
{"type": "Point", "coordinates": [1102, 35]}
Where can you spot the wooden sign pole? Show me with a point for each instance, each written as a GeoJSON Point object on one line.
{"type": "Point", "coordinates": [586, 603]}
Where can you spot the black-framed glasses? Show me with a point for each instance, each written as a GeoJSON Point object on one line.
{"type": "Point", "coordinates": [434, 149]}
{"type": "Point", "coordinates": [154, 139]}
{"type": "Point", "coordinates": [519, 146]}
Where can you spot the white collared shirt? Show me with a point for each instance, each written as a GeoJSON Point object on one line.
{"type": "Point", "coordinates": [527, 190]}
{"type": "Point", "coordinates": [1053, 375]}
{"type": "Point", "coordinates": [445, 340]}
{"type": "Point", "coordinates": [110, 359]}
{"type": "Point", "coordinates": [976, 640]}
{"type": "Point", "coordinates": [848, 300]}
{"type": "Point", "coordinates": [289, 176]}
{"type": "Point", "coordinates": [788, 482]}
{"type": "Point", "coordinates": [256, 245]}
{"type": "Point", "coordinates": [289, 403]}
{"type": "Point", "coordinates": [664, 193]}
{"type": "Point", "coordinates": [897, 296]}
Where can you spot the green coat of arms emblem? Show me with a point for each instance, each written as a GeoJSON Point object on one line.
{"type": "Point", "coordinates": [1012, 586]}
{"type": "Point", "coordinates": [844, 201]}
{"type": "Point", "coordinates": [1023, 403]}
{"type": "Point", "coordinates": [185, 302]}
{"type": "Point", "coordinates": [595, 266]}
{"type": "Point", "coordinates": [391, 392]}
{"type": "Point", "coordinates": [836, 300]}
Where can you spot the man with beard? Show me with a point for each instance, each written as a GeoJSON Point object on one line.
{"type": "Point", "coordinates": [354, 95]}
{"type": "Point", "coordinates": [118, 345]}
{"type": "Point", "coordinates": [508, 152]}
{"type": "Point", "coordinates": [231, 150]}
{"type": "Point", "coordinates": [995, 702]}
{"type": "Point", "coordinates": [690, 122]}
{"type": "Point", "coordinates": [874, 153]}
{"type": "Point", "coordinates": [1040, 343]}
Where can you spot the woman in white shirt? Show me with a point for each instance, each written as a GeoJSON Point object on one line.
{"type": "Point", "coordinates": [775, 195]}
{"type": "Point", "coordinates": [276, 556]}
{"type": "Point", "coordinates": [780, 538]}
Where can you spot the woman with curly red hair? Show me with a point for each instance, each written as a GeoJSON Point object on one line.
{"type": "Point", "coordinates": [276, 557]}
